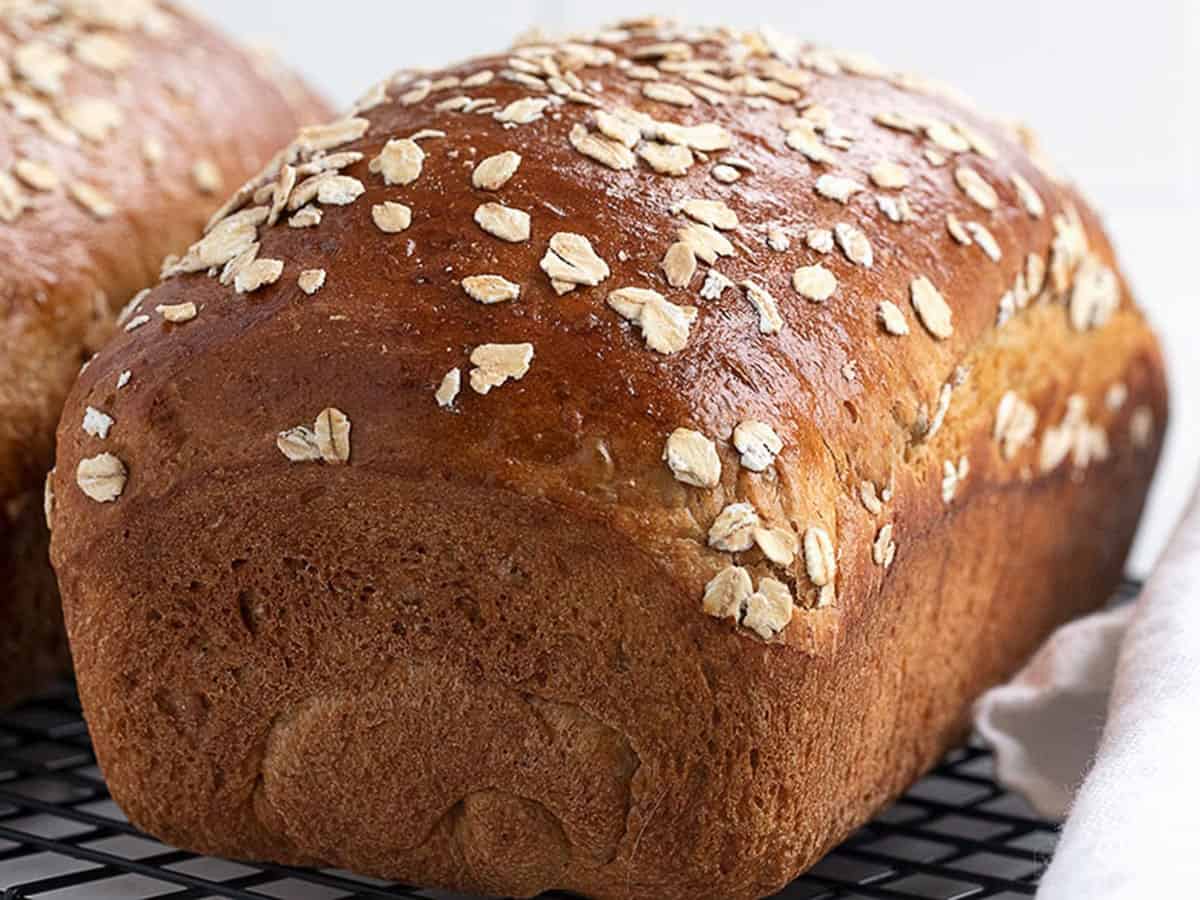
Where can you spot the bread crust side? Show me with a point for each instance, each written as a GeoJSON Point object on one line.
{"type": "Point", "coordinates": [488, 693]}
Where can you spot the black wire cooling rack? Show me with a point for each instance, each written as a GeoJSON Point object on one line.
{"type": "Point", "coordinates": [956, 834]}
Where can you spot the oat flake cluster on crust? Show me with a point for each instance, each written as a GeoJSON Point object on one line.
{"type": "Point", "coordinates": [643, 98]}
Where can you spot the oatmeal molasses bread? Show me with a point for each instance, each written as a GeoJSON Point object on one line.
{"type": "Point", "coordinates": [613, 465]}
{"type": "Point", "coordinates": [123, 125]}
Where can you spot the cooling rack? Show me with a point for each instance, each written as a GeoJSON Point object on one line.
{"type": "Point", "coordinates": [955, 834]}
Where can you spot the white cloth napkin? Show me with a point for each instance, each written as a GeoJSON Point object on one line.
{"type": "Point", "coordinates": [1117, 693]}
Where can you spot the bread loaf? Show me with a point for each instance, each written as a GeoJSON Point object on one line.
{"type": "Point", "coordinates": [613, 465]}
{"type": "Point", "coordinates": [123, 124]}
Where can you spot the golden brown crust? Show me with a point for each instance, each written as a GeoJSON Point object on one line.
{"type": "Point", "coordinates": [361, 575]}
{"type": "Point", "coordinates": [121, 126]}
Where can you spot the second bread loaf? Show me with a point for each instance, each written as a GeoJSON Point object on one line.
{"type": "Point", "coordinates": [123, 125]}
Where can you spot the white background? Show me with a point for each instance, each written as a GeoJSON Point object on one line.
{"type": "Point", "coordinates": [1112, 88]}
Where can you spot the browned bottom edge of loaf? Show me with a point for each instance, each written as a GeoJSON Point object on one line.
{"type": "Point", "coordinates": [33, 642]}
{"type": "Point", "coordinates": [451, 685]}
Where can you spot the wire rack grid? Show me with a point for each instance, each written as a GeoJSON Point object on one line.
{"type": "Point", "coordinates": [954, 835]}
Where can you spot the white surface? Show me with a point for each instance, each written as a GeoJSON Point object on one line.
{"type": "Point", "coordinates": [1114, 96]}
{"type": "Point", "coordinates": [1132, 830]}
{"type": "Point", "coordinates": [1045, 725]}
